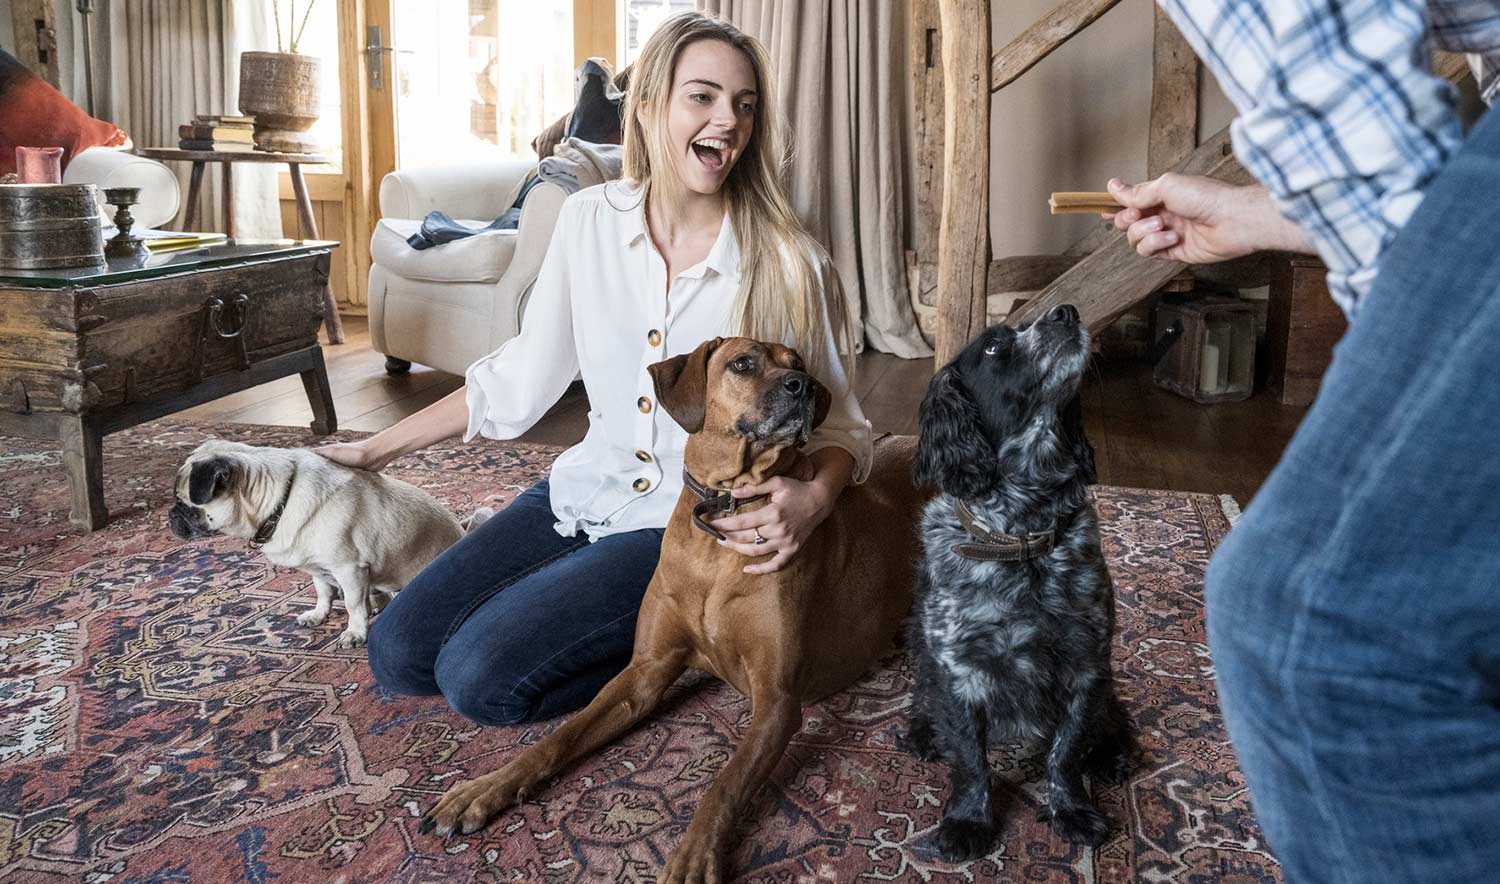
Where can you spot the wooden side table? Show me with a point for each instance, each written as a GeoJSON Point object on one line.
{"type": "Point", "coordinates": [294, 161]}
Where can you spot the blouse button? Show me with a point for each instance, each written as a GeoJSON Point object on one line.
{"type": "Point", "coordinates": [641, 484]}
{"type": "Point", "coordinates": [644, 405]}
{"type": "Point", "coordinates": [653, 338]}
{"type": "Point", "coordinates": [642, 456]}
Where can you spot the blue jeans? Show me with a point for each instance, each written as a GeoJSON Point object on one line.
{"type": "Point", "coordinates": [1354, 612]}
{"type": "Point", "coordinates": [516, 623]}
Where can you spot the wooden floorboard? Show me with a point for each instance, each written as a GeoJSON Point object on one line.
{"type": "Point", "coordinates": [1143, 436]}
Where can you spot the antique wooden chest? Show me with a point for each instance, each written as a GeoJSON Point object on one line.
{"type": "Point", "coordinates": [87, 352]}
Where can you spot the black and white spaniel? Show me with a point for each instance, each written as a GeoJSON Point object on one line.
{"type": "Point", "coordinates": [1014, 606]}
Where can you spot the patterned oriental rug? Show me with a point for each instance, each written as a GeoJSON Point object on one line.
{"type": "Point", "coordinates": [164, 719]}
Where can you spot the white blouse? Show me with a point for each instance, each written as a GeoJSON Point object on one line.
{"type": "Point", "coordinates": [601, 307]}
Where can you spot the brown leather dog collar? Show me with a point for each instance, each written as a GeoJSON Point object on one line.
{"type": "Point", "coordinates": [712, 501]}
{"type": "Point", "coordinates": [992, 546]}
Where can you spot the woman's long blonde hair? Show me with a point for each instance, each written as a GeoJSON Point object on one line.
{"type": "Point", "coordinates": [780, 298]}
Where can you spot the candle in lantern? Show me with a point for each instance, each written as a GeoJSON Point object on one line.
{"type": "Point", "coordinates": [1208, 369]}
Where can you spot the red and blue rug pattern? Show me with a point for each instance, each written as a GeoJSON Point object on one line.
{"type": "Point", "coordinates": [163, 720]}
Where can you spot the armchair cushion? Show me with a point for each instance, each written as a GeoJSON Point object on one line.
{"type": "Point", "coordinates": [112, 167]}
{"type": "Point", "coordinates": [479, 258]}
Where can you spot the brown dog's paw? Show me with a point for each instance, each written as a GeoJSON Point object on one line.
{"type": "Point", "coordinates": [697, 860]}
{"type": "Point", "coordinates": [1081, 825]}
{"type": "Point", "coordinates": [469, 806]}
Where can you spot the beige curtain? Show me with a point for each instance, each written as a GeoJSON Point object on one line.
{"type": "Point", "coordinates": [156, 64]}
{"type": "Point", "coordinates": [840, 70]}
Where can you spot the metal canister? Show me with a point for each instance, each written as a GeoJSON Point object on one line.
{"type": "Point", "coordinates": [48, 226]}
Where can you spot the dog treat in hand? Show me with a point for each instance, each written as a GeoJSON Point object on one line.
{"type": "Point", "coordinates": [1075, 201]}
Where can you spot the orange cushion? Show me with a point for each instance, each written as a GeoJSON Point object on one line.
{"type": "Point", "coordinates": [34, 114]}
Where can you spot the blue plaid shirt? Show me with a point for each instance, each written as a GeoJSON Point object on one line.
{"type": "Point", "coordinates": [1340, 115]}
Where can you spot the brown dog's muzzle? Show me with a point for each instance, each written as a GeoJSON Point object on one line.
{"type": "Point", "coordinates": [787, 412]}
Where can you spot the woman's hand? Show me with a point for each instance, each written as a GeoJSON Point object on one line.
{"type": "Point", "coordinates": [1198, 220]}
{"type": "Point", "coordinates": [785, 521]}
{"type": "Point", "coordinates": [362, 455]}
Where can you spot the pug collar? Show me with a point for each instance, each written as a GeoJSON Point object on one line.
{"type": "Point", "coordinates": [268, 527]}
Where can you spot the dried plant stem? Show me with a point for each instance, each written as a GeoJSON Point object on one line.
{"type": "Point", "coordinates": [302, 27]}
{"type": "Point", "coordinates": [276, 16]}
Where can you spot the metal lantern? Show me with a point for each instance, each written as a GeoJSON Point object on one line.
{"type": "Point", "coordinates": [1205, 347]}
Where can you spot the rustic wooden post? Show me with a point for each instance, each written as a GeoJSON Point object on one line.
{"type": "Point", "coordinates": [36, 37]}
{"type": "Point", "coordinates": [926, 54]}
{"type": "Point", "coordinates": [1174, 97]}
{"type": "Point", "coordinates": [964, 235]}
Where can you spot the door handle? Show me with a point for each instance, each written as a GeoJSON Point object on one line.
{"type": "Point", "coordinates": [374, 62]}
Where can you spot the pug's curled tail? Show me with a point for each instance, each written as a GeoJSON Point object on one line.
{"type": "Point", "coordinates": [479, 517]}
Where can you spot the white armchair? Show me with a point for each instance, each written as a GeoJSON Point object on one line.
{"type": "Point", "coordinates": [449, 305]}
{"type": "Point", "coordinates": [115, 167]}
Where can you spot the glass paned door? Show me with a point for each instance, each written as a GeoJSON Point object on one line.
{"type": "Point", "coordinates": [640, 18]}
{"type": "Point", "coordinates": [478, 79]}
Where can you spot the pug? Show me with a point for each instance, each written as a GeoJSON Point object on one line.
{"type": "Point", "coordinates": [360, 532]}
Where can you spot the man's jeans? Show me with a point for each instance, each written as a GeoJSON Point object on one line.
{"type": "Point", "coordinates": [1354, 613]}
{"type": "Point", "coordinates": [515, 623]}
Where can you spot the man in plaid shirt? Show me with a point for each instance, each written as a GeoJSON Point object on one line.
{"type": "Point", "coordinates": [1354, 612]}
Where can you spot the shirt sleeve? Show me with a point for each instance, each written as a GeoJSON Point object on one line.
{"type": "Point", "coordinates": [845, 426]}
{"type": "Point", "coordinates": [509, 390]}
{"type": "Point", "coordinates": [1340, 117]}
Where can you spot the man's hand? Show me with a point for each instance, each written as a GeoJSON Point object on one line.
{"type": "Point", "coordinates": [1198, 220]}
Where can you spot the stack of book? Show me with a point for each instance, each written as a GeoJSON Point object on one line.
{"type": "Point", "coordinates": [218, 132]}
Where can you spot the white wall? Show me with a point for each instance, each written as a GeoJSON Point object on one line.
{"type": "Point", "coordinates": [1073, 121]}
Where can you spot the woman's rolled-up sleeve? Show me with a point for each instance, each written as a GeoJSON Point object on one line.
{"type": "Point", "coordinates": [509, 390]}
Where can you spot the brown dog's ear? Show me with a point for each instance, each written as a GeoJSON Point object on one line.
{"type": "Point", "coordinates": [682, 385]}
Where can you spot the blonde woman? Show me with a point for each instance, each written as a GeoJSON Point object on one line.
{"type": "Point", "coordinates": [529, 616]}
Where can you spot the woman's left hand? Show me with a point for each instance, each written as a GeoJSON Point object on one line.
{"type": "Point", "coordinates": [785, 521]}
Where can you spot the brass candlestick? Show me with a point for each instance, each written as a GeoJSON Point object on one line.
{"type": "Point", "coordinates": [122, 244]}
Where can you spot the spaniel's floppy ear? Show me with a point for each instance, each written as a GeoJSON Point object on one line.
{"type": "Point", "coordinates": [210, 478]}
{"type": "Point", "coordinates": [1078, 441]}
{"type": "Point", "coordinates": [953, 451]}
{"type": "Point", "coordinates": [682, 385]}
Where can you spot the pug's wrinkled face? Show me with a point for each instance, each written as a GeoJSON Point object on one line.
{"type": "Point", "coordinates": [207, 502]}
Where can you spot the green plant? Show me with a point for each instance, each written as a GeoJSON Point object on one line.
{"type": "Point", "coordinates": [291, 20]}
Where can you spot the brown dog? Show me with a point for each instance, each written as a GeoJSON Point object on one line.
{"type": "Point", "coordinates": [784, 638]}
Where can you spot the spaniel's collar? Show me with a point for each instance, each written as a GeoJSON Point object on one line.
{"type": "Point", "coordinates": [712, 501]}
{"type": "Point", "coordinates": [992, 546]}
{"type": "Point", "coordinates": [268, 527]}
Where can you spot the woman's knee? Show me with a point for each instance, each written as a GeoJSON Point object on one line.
{"type": "Point", "coordinates": [484, 691]}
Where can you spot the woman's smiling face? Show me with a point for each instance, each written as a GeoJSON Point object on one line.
{"type": "Point", "coordinates": [710, 113]}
